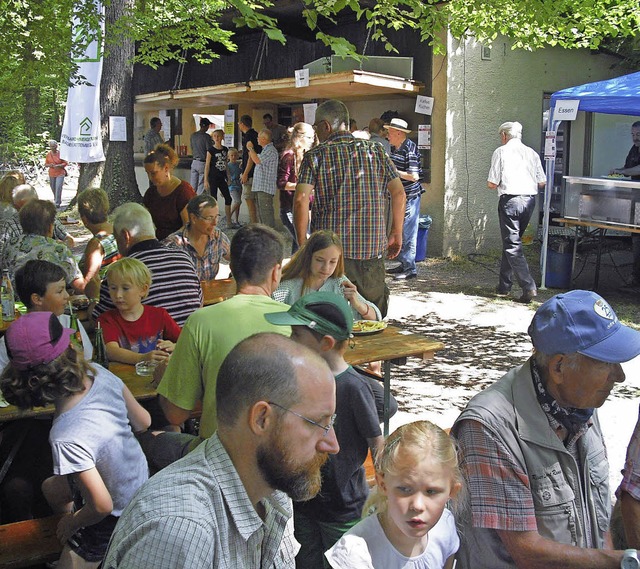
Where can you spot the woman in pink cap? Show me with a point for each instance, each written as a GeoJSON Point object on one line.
{"type": "Point", "coordinates": [97, 462]}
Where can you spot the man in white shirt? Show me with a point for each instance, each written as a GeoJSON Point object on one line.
{"type": "Point", "coordinates": [516, 172]}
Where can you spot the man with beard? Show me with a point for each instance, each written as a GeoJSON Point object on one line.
{"type": "Point", "coordinates": [224, 505]}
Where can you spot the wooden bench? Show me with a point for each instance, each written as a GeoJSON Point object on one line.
{"type": "Point", "coordinates": [28, 543]}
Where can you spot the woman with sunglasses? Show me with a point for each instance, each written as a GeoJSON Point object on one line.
{"type": "Point", "coordinates": [200, 237]}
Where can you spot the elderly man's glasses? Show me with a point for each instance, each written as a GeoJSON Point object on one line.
{"type": "Point", "coordinates": [325, 428]}
{"type": "Point", "coordinates": [209, 218]}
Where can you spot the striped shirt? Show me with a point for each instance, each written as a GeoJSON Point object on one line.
{"type": "Point", "coordinates": [350, 178]}
{"type": "Point", "coordinates": [407, 159]}
{"type": "Point", "coordinates": [196, 514]}
{"type": "Point", "coordinates": [265, 174]}
{"type": "Point", "coordinates": [175, 285]}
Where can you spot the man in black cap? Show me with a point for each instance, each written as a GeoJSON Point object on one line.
{"type": "Point", "coordinates": [200, 144]}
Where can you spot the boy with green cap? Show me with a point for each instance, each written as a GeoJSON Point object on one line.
{"type": "Point", "coordinates": [323, 321]}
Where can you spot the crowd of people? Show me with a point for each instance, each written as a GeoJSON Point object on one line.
{"type": "Point", "coordinates": [273, 475]}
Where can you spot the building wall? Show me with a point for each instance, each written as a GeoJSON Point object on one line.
{"type": "Point", "coordinates": [472, 98]}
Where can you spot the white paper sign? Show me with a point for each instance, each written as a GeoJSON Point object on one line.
{"type": "Point", "coordinates": [549, 145]}
{"type": "Point", "coordinates": [118, 129]}
{"type": "Point", "coordinates": [229, 126]}
{"type": "Point", "coordinates": [310, 112]}
{"type": "Point", "coordinates": [424, 136]}
{"type": "Point", "coordinates": [566, 110]}
{"type": "Point", "coordinates": [424, 105]}
{"type": "Point", "coordinates": [302, 78]}
{"type": "Point", "coordinates": [165, 119]}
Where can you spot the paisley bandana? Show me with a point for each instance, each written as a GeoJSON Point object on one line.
{"type": "Point", "coordinates": [570, 418]}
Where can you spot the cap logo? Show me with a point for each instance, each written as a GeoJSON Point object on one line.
{"type": "Point", "coordinates": [312, 324]}
{"type": "Point", "coordinates": [601, 308]}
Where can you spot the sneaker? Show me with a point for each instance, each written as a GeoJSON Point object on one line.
{"type": "Point", "coordinates": [404, 276]}
{"type": "Point", "coordinates": [236, 225]}
{"type": "Point", "coordinates": [395, 270]}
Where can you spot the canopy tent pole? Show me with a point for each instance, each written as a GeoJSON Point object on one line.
{"type": "Point", "coordinates": [548, 188]}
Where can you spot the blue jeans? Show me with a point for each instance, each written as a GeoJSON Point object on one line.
{"type": "Point", "coordinates": [407, 256]}
{"type": "Point", "coordinates": [197, 176]}
{"type": "Point", "coordinates": [56, 187]}
{"type": "Point", "coordinates": [514, 213]}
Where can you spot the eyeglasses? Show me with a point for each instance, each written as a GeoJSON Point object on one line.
{"type": "Point", "coordinates": [209, 218]}
{"type": "Point", "coordinates": [325, 428]}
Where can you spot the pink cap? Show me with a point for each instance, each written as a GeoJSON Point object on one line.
{"type": "Point", "coordinates": [36, 338]}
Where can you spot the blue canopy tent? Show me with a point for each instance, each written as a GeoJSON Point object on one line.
{"type": "Point", "coordinates": [618, 96]}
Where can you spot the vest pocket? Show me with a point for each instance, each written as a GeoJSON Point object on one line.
{"type": "Point", "coordinates": [554, 502]}
{"type": "Point", "coordinates": [599, 476]}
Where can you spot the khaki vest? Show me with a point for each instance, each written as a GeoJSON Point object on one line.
{"type": "Point", "coordinates": [509, 409]}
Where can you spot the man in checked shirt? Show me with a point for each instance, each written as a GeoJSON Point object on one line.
{"type": "Point", "coordinates": [227, 504]}
{"type": "Point", "coordinates": [532, 449]}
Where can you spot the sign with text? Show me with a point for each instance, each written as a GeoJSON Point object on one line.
{"type": "Point", "coordinates": [549, 145]}
{"type": "Point", "coordinates": [424, 105]}
{"type": "Point", "coordinates": [424, 136]}
{"type": "Point", "coordinates": [81, 138]}
{"type": "Point", "coordinates": [302, 78]}
{"type": "Point", "coordinates": [229, 127]}
{"type": "Point", "coordinates": [566, 110]}
{"type": "Point", "coordinates": [118, 129]}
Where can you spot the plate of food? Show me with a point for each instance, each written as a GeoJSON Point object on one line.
{"type": "Point", "coordinates": [616, 177]}
{"type": "Point", "coordinates": [364, 327]}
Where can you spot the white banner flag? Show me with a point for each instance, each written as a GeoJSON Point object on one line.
{"type": "Point", "coordinates": [81, 139]}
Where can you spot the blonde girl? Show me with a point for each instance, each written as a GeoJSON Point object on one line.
{"type": "Point", "coordinates": [319, 266]}
{"type": "Point", "coordinates": [409, 526]}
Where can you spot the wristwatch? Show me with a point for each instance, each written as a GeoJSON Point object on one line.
{"type": "Point", "coordinates": [630, 559]}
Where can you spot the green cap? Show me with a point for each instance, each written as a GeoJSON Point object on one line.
{"type": "Point", "coordinates": [304, 313]}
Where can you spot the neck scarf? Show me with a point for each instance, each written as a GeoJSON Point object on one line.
{"type": "Point", "coordinates": [570, 418]}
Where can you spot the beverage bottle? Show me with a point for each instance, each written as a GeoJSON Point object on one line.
{"type": "Point", "coordinates": [100, 349]}
{"type": "Point", "coordinates": [76, 337]}
{"type": "Point", "coordinates": [8, 300]}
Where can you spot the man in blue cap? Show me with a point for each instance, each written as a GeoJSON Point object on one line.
{"type": "Point", "coordinates": [532, 449]}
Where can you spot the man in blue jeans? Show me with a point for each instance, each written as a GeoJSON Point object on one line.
{"type": "Point", "coordinates": [516, 172]}
{"type": "Point", "coordinates": [406, 157]}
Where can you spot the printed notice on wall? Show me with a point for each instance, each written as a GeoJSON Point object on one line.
{"type": "Point", "coordinates": [424, 136]}
{"type": "Point", "coordinates": [549, 145]}
{"type": "Point", "coordinates": [118, 129]}
{"type": "Point", "coordinates": [424, 105]}
{"type": "Point", "coordinates": [302, 78]}
{"type": "Point", "coordinates": [229, 126]}
{"type": "Point", "coordinates": [310, 112]}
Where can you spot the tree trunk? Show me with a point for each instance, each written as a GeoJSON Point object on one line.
{"type": "Point", "coordinates": [116, 175]}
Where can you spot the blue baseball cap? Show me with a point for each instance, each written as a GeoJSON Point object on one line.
{"type": "Point", "coordinates": [582, 321]}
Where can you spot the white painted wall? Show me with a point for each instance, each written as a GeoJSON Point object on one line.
{"type": "Point", "coordinates": [480, 95]}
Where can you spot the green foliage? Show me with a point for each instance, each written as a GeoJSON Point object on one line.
{"type": "Point", "coordinates": [534, 24]}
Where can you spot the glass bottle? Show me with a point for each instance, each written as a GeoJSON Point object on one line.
{"type": "Point", "coordinates": [7, 298]}
{"type": "Point", "coordinates": [100, 349]}
{"type": "Point", "coordinates": [76, 337]}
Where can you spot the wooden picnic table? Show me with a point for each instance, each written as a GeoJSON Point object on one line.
{"type": "Point", "coordinates": [217, 290]}
{"type": "Point", "coordinates": [391, 346]}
